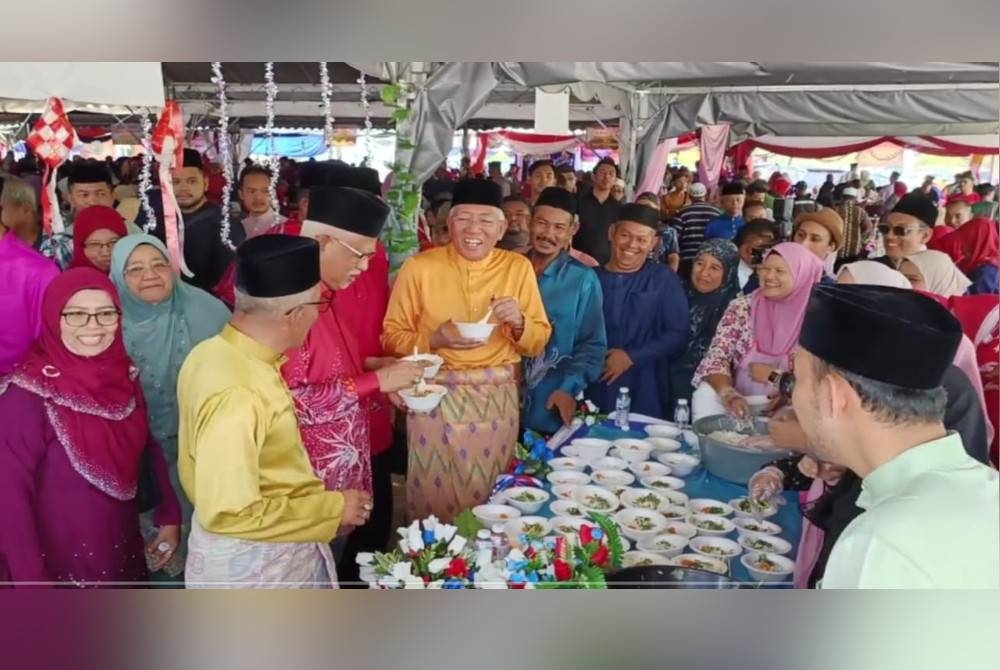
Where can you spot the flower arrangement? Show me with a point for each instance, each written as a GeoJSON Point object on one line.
{"type": "Point", "coordinates": [588, 412]}
{"type": "Point", "coordinates": [530, 464]}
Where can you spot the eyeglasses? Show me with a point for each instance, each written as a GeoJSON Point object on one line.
{"type": "Point", "coordinates": [898, 231]}
{"type": "Point", "coordinates": [320, 305]}
{"type": "Point", "coordinates": [107, 317]}
{"type": "Point", "coordinates": [358, 256]}
{"type": "Point", "coordinates": [98, 246]}
{"type": "Point", "coordinates": [159, 267]}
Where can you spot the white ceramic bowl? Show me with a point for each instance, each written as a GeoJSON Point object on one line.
{"type": "Point", "coordinates": [709, 506]}
{"type": "Point", "coordinates": [632, 450]}
{"type": "Point", "coordinates": [746, 525]}
{"type": "Point", "coordinates": [536, 527]}
{"type": "Point", "coordinates": [475, 331]}
{"type": "Point", "coordinates": [612, 478]}
{"type": "Point", "coordinates": [681, 464]}
{"type": "Point", "coordinates": [665, 483]}
{"type": "Point", "coordinates": [675, 512]}
{"type": "Point", "coordinates": [568, 525]}
{"type": "Point", "coordinates": [426, 403]}
{"type": "Point", "coordinates": [649, 469]}
{"type": "Point", "coordinates": [716, 547]}
{"type": "Point", "coordinates": [567, 463]}
{"type": "Point", "coordinates": [780, 570]}
{"type": "Point", "coordinates": [568, 450]}
{"type": "Point", "coordinates": [633, 559]}
{"type": "Point", "coordinates": [767, 544]}
{"type": "Point", "coordinates": [568, 477]}
{"type": "Point", "coordinates": [564, 491]}
{"type": "Point", "coordinates": [681, 528]}
{"type": "Point", "coordinates": [591, 448]}
{"type": "Point", "coordinates": [663, 430]}
{"type": "Point", "coordinates": [708, 524]}
{"type": "Point", "coordinates": [677, 498]}
{"type": "Point", "coordinates": [645, 499]}
{"type": "Point", "coordinates": [638, 524]}
{"type": "Point", "coordinates": [432, 362]}
{"type": "Point", "coordinates": [663, 445]}
{"type": "Point", "coordinates": [493, 514]}
{"type": "Point", "coordinates": [667, 545]}
{"type": "Point", "coordinates": [526, 498]}
{"type": "Point", "coordinates": [567, 508]}
{"type": "Point", "coordinates": [590, 497]}
{"type": "Point", "coordinates": [699, 562]}
{"type": "Point", "coordinates": [744, 507]}
{"type": "Point", "coordinates": [609, 463]}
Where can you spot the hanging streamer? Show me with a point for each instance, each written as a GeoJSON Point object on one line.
{"type": "Point", "coordinates": [369, 140]}
{"type": "Point", "coordinates": [271, 89]}
{"type": "Point", "coordinates": [224, 151]}
{"type": "Point", "coordinates": [52, 139]}
{"type": "Point", "coordinates": [326, 91]}
{"type": "Point", "coordinates": [146, 174]}
{"type": "Point", "coordinates": [168, 148]}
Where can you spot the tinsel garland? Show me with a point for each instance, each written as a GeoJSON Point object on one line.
{"type": "Point", "coordinates": [145, 175]}
{"type": "Point", "coordinates": [325, 91]}
{"type": "Point", "coordinates": [271, 89]}
{"type": "Point", "coordinates": [224, 152]}
{"type": "Point", "coordinates": [369, 146]}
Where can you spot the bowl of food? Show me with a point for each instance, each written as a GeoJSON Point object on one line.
{"type": "Point", "coordinates": [746, 525]}
{"type": "Point", "coordinates": [724, 452]}
{"type": "Point", "coordinates": [768, 567]}
{"type": "Point", "coordinates": [564, 491]}
{"type": "Point", "coordinates": [768, 544]}
{"type": "Point", "coordinates": [758, 403]}
{"type": "Point", "coordinates": [567, 463]}
{"type": "Point", "coordinates": [667, 545]}
{"type": "Point", "coordinates": [475, 330]}
{"type": "Point", "coordinates": [638, 524]}
{"type": "Point", "coordinates": [609, 463]}
{"type": "Point", "coordinates": [709, 506]}
{"type": "Point", "coordinates": [534, 527]}
{"type": "Point", "coordinates": [663, 445]}
{"type": "Point", "coordinates": [567, 508]}
{"type": "Point", "coordinates": [526, 498]}
{"type": "Point", "coordinates": [716, 547]}
{"type": "Point", "coordinates": [568, 525]}
{"type": "Point", "coordinates": [675, 512]}
{"type": "Point", "coordinates": [423, 398]}
{"type": "Point", "coordinates": [676, 498]}
{"type": "Point", "coordinates": [649, 469]}
{"type": "Point", "coordinates": [645, 499]}
{"type": "Point", "coordinates": [681, 465]}
{"type": "Point", "coordinates": [591, 448]}
{"type": "Point", "coordinates": [699, 562]}
{"type": "Point", "coordinates": [663, 430]}
{"type": "Point", "coordinates": [756, 509]}
{"type": "Point", "coordinates": [568, 477]}
{"type": "Point", "coordinates": [708, 524]}
{"type": "Point", "coordinates": [430, 362]}
{"type": "Point", "coordinates": [612, 478]}
{"type": "Point", "coordinates": [662, 483]}
{"type": "Point", "coordinates": [633, 559]}
{"type": "Point", "coordinates": [681, 528]}
{"type": "Point", "coordinates": [596, 499]}
{"type": "Point", "coordinates": [495, 513]}
{"type": "Point", "coordinates": [632, 450]}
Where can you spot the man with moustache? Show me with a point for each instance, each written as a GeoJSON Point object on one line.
{"type": "Point", "coordinates": [517, 212]}
{"type": "Point", "coordinates": [907, 229]}
{"type": "Point", "coordinates": [574, 356]}
{"type": "Point", "coordinates": [645, 313]}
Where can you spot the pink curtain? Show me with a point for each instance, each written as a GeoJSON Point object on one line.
{"type": "Point", "coordinates": [656, 167]}
{"type": "Point", "coordinates": [712, 142]}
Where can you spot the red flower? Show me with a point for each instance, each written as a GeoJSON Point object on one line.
{"type": "Point", "coordinates": [586, 535]}
{"type": "Point", "coordinates": [600, 556]}
{"type": "Point", "coordinates": [457, 568]}
{"type": "Point", "coordinates": [530, 552]}
{"type": "Point", "coordinates": [517, 585]}
{"type": "Point", "coordinates": [563, 571]}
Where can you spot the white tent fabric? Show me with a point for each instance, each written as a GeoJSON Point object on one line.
{"type": "Point", "coordinates": [115, 88]}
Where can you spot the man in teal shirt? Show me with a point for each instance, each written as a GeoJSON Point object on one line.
{"type": "Point", "coordinates": [574, 356]}
{"type": "Point", "coordinates": [875, 406]}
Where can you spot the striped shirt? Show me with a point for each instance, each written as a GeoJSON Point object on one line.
{"type": "Point", "coordinates": [694, 219]}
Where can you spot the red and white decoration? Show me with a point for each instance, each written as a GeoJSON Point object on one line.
{"type": "Point", "coordinates": [52, 139]}
{"type": "Point", "coordinates": [830, 147]}
{"type": "Point", "coordinates": [168, 148]}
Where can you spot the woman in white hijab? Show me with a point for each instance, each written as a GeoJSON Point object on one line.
{"type": "Point", "coordinates": [872, 272]}
{"type": "Point", "coordinates": [935, 272]}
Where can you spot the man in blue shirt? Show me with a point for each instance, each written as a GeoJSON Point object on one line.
{"type": "Point", "coordinates": [574, 356]}
{"type": "Point", "coordinates": [731, 220]}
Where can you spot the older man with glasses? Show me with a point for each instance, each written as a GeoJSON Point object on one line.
{"type": "Point", "coordinates": [907, 229]}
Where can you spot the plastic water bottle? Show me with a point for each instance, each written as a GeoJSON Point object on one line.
{"type": "Point", "coordinates": [622, 407]}
{"type": "Point", "coordinates": [501, 543]}
{"type": "Point", "coordinates": [682, 414]}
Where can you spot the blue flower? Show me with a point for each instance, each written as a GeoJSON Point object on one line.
{"type": "Point", "coordinates": [597, 533]}
{"type": "Point", "coordinates": [520, 469]}
{"type": "Point", "coordinates": [533, 577]}
{"type": "Point", "coordinates": [453, 583]}
{"type": "Point", "coordinates": [518, 577]}
{"type": "Point", "coordinates": [428, 537]}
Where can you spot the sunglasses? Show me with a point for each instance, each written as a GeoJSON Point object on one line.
{"type": "Point", "coordinates": [898, 231]}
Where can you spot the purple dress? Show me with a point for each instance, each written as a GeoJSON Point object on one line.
{"type": "Point", "coordinates": [24, 274]}
{"type": "Point", "coordinates": [58, 527]}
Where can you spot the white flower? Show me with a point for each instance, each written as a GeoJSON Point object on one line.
{"type": "Point", "coordinates": [438, 565]}
{"type": "Point", "coordinates": [590, 421]}
{"type": "Point", "coordinates": [436, 584]}
{"type": "Point", "coordinates": [413, 582]}
{"type": "Point", "coordinates": [404, 546]}
{"type": "Point", "coordinates": [457, 545]}
{"type": "Point", "coordinates": [516, 555]}
{"type": "Point", "coordinates": [445, 532]}
{"type": "Point", "coordinates": [365, 558]}
{"type": "Point", "coordinates": [591, 407]}
{"type": "Point", "coordinates": [414, 537]}
{"type": "Point", "coordinates": [402, 570]}
{"type": "Point", "coordinates": [579, 396]}
{"type": "Point", "coordinates": [431, 522]}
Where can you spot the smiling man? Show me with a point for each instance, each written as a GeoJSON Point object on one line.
{"type": "Point", "coordinates": [457, 451]}
{"type": "Point", "coordinates": [907, 229]}
{"type": "Point", "coordinates": [574, 356]}
{"type": "Point", "coordinates": [645, 313]}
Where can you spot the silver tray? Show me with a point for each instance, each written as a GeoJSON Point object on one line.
{"type": "Point", "coordinates": [732, 463]}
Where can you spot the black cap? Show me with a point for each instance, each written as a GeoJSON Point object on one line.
{"type": "Point", "coordinates": [733, 188]}
{"type": "Point", "coordinates": [89, 172]}
{"type": "Point", "coordinates": [643, 214]}
{"type": "Point", "coordinates": [364, 178]}
{"type": "Point", "coordinates": [193, 159]}
{"type": "Point", "coordinates": [557, 197]}
{"type": "Point", "coordinates": [273, 266]}
{"type": "Point", "coordinates": [477, 192]}
{"type": "Point", "coordinates": [919, 206]}
{"type": "Point", "coordinates": [352, 209]}
{"type": "Point", "coordinates": [910, 339]}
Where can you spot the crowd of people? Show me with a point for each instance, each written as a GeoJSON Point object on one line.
{"type": "Point", "coordinates": [240, 426]}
